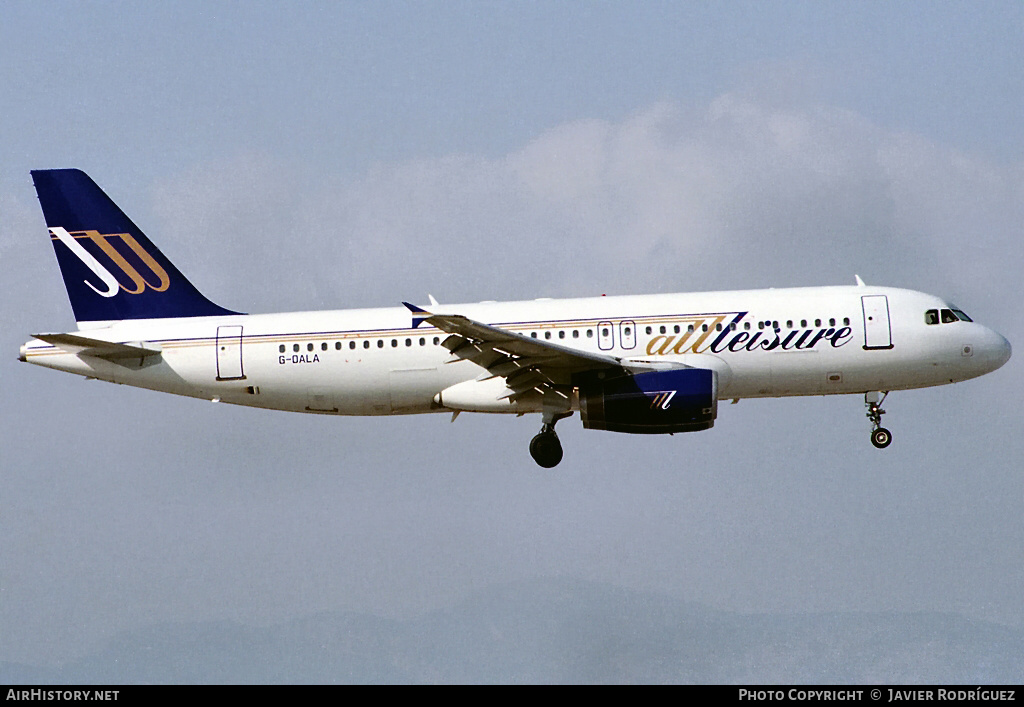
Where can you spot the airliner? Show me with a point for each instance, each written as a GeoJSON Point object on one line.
{"type": "Point", "coordinates": [645, 364]}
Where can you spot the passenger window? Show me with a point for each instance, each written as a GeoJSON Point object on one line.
{"type": "Point", "coordinates": [817, 322]}
{"type": "Point", "coordinates": [948, 316]}
{"type": "Point", "coordinates": [846, 321]}
{"type": "Point", "coordinates": [423, 342]}
{"type": "Point", "coordinates": [703, 327]}
{"type": "Point", "coordinates": [281, 348]}
{"type": "Point", "coordinates": [561, 334]}
{"type": "Point", "coordinates": [394, 343]}
{"type": "Point", "coordinates": [575, 333]}
{"type": "Point", "coordinates": [760, 325]}
{"type": "Point", "coordinates": [337, 345]}
{"type": "Point", "coordinates": [547, 335]}
{"type": "Point", "coordinates": [323, 346]}
{"type": "Point", "coordinates": [366, 344]}
{"type": "Point", "coordinates": [408, 342]}
{"type": "Point", "coordinates": [746, 325]}
{"type": "Point", "coordinates": [803, 323]}
{"type": "Point", "coordinates": [661, 329]}
{"type": "Point", "coordinates": [351, 344]}
{"type": "Point", "coordinates": [649, 330]}
{"type": "Point", "coordinates": [690, 328]}
{"type": "Point", "coordinates": [718, 327]}
{"type": "Point", "coordinates": [533, 334]}
{"type": "Point", "coordinates": [675, 329]}
{"type": "Point", "coordinates": [831, 321]}
{"type": "Point", "coordinates": [437, 340]}
{"type": "Point", "coordinates": [295, 347]}
{"type": "Point", "coordinates": [590, 333]}
{"type": "Point", "coordinates": [309, 347]}
{"type": "Point", "coordinates": [380, 343]}
{"type": "Point", "coordinates": [789, 324]}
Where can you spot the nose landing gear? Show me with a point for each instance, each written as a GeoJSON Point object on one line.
{"type": "Point", "coordinates": [880, 437]}
{"type": "Point", "coordinates": [545, 448]}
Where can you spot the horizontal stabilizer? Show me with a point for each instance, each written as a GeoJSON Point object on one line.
{"type": "Point", "coordinates": [132, 354]}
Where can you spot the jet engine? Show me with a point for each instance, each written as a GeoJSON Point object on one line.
{"type": "Point", "coordinates": [657, 402]}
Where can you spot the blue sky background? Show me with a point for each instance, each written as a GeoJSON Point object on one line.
{"type": "Point", "coordinates": [294, 156]}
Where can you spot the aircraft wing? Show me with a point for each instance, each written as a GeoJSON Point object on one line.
{"type": "Point", "coordinates": [526, 364]}
{"type": "Point", "coordinates": [132, 355]}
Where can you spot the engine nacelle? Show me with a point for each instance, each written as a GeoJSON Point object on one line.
{"type": "Point", "coordinates": [659, 402]}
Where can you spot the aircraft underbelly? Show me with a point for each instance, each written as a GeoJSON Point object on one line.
{"type": "Point", "coordinates": [413, 389]}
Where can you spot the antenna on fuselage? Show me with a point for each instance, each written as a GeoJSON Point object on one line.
{"type": "Point", "coordinates": [860, 283]}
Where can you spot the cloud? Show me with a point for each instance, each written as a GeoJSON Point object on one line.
{"type": "Point", "coordinates": [737, 193]}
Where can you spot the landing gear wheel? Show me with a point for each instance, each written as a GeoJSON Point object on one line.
{"type": "Point", "coordinates": [881, 438]}
{"type": "Point", "coordinates": [546, 450]}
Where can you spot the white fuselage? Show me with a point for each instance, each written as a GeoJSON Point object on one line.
{"type": "Point", "coordinates": [763, 343]}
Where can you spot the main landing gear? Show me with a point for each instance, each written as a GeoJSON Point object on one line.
{"type": "Point", "coordinates": [880, 437]}
{"type": "Point", "coordinates": [545, 448]}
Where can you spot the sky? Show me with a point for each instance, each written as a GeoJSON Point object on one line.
{"type": "Point", "coordinates": [296, 156]}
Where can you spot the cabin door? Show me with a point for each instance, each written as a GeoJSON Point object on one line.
{"type": "Point", "coordinates": [877, 333]}
{"type": "Point", "coordinates": [229, 353]}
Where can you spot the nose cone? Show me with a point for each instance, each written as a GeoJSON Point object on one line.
{"type": "Point", "coordinates": [995, 351]}
{"type": "Point", "coordinates": [1004, 351]}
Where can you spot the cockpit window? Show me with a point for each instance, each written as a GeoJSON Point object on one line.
{"type": "Point", "coordinates": [946, 316]}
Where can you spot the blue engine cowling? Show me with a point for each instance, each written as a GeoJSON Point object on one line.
{"type": "Point", "coordinates": [659, 402]}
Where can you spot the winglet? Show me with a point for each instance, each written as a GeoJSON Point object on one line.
{"type": "Point", "coordinates": [419, 315]}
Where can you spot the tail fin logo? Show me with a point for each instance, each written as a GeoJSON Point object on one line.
{"type": "Point", "coordinates": [103, 244]}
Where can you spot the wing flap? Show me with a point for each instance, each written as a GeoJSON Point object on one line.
{"type": "Point", "coordinates": [530, 366]}
{"type": "Point", "coordinates": [533, 369]}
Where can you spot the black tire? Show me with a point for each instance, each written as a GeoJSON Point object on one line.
{"type": "Point", "coordinates": [881, 438]}
{"type": "Point", "coordinates": [546, 450]}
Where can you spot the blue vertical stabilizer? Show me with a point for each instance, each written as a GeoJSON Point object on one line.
{"type": "Point", "coordinates": [111, 270]}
